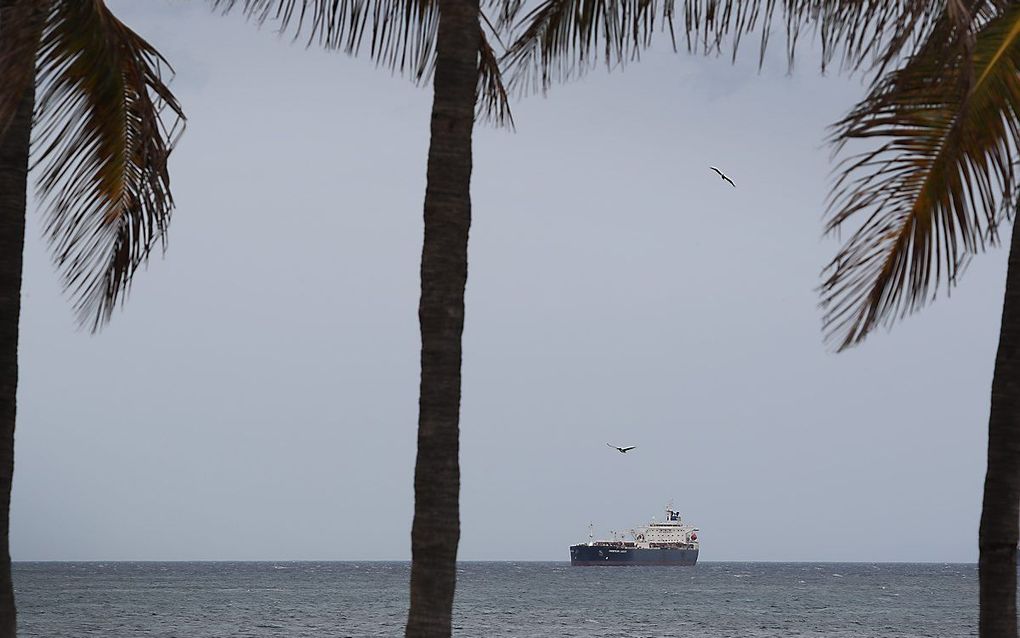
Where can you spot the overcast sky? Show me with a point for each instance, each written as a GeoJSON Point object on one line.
{"type": "Point", "coordinates": [257, 396]}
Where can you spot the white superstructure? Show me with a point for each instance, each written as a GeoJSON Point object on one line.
{"type": "Point", "coordinates": [672, 532]}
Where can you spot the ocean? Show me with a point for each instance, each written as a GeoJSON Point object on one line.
{"type": "Point", "coordinates": [540, 600]}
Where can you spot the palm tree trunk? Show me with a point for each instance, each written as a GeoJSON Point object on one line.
{"type": "Point", "coordinates": [998, 536]}
{"type": "Point", "coordinates": [436, 529]}
{"type": "Point", "coordinates": [14, 144]}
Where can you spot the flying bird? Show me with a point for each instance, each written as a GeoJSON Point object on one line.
{"type": "Point", "coordinates": [723, 175]}
{"type": "Point", "coordinates": [622, 450]}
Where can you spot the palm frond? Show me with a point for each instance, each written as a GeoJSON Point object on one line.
{"type": "Point", "coordinates": [853, 33]}
{"type": "Point", "coordinates": [506, 11]}
{"type": "Point", "coordinates": [493, 101]}
{"type": "Point", "coordinates": [935, 189]}
{"type": "Point", "coordinates": [102, 140]}
{"type": "Point", "coordinates": [401, 33]}
{"type": "Point", "coordinates": [20, 27]}
{"type": "Point", "coordinates": [401, 36]}
{"type": "Point", "coordinates": [560, 40]}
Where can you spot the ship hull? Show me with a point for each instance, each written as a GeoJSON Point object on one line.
{"type": "Point", "coordinates": [602, 556]}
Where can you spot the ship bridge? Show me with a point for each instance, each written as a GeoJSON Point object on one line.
{"type": "Point", "coordinates": [672, 532]}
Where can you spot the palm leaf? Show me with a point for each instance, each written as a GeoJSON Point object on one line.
{"type": "Point", "coordinates": [560, 40]}
{"type": "Point", "coordinates": [400, 34]}
{"type": "Point", "coordinates": [935, 190]}
{"type": "Point", "coordinates": [103, 142]}
{"type": "Point", "coordinates": [493, 101]}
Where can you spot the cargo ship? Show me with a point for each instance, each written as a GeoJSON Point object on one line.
{"type": "Point", "coordinates": [670, 542]}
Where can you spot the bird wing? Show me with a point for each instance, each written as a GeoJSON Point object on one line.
{"type": "Point", "coordinates": [730, 181]}
{"type": "Point", "coordinates": [718, 171]}
{"type": "Point", "coordinates": [629, 447]}
{"type": "Point", "coordinates": [612, 446]}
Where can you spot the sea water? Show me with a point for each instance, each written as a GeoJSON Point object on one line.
{"type": "Point", "coordinates": [297, 600]}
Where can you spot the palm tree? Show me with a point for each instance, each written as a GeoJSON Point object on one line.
{"type": "Point", "coordinates": [103, 147]}
{"type": "Point", "coordinates": [931, 195]}
{"type": "Point", "coordinates": [444, 40]}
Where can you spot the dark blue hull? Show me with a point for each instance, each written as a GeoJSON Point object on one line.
{"type": "Point", "coordinates": [630, 556]}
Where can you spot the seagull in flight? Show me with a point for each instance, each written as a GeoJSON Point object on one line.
{"type": "Point", "coordinates": [623, 450]}
{"type": "Point", "coordinates": [723, 175]}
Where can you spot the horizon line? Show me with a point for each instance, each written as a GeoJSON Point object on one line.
{"type": "Point", "coordinates": [565, 561]}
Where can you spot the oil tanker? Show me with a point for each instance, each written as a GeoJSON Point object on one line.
{"type": "Point", "coordinates": [670, 542]}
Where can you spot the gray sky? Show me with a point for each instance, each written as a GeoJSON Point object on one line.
{"type": "Point", "coordinates": [257, 397]}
